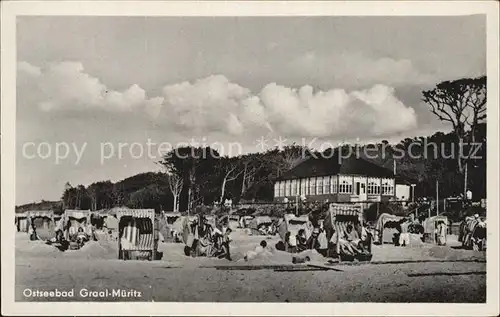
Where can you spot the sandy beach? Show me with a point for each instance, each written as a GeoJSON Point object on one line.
{"type": "Point", "coordinates": [420, 273]}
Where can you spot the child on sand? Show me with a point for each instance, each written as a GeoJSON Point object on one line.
{"type": "Point", "coordinates": [261, 249]}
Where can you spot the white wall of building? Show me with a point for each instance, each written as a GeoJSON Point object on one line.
{"type": "Point", "coordinates": [403, 192]}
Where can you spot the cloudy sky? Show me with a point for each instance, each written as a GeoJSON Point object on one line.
{"type": "Point", "coordinates": [91, 83]}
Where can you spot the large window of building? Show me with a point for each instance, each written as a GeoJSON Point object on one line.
{"type": "Point", "coordinates": [287, 188]}
{"type": "Point", "coordinates": [387, 186]}
{"type": "Point", "coordinates": [319, 185]}
{"type": "Point", "coordinates": [312, 186]}
{"type": "Point", "coordinates": [373, 186]}
{"type": "Point", "coordinates": [334, 184]}
{"type": "Point", "coordinates": [345, 185]}
{"type": "Point", "coordinates": [326, 185]}
{"type": "Point", "coordinates": [282, 188]}
{"type": "Point", "coordinates": [276, 189]}
{"type": "Point", "coordinates": [293, 191]}
{"type": "Point", "coordinates": [303, 186]}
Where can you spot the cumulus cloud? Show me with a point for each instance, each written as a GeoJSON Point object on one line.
{"type": "Point", "coordinates": [216, 105]}
{"type": "Point", "coordinates": [205, 105]}
{"type": "Point", "coordinates": [303, 112]}
{"type": "Point", "coordinates": [66, 86]}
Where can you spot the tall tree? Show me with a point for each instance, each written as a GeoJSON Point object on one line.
{"type": "Point", "coordinates": [292, 155]}
{"type": "Point", "coordinates": [82, 200]}
{"type": "Point", "coordinates": [229, 170]}
{"type": "Point", "coordinates": [252, 165]}
{"type": "Point", "coordinates": [68, 197]}
{"type": "Point", "coordinates": [119, 194]}
{"type": "Point", "coordinates": [462, 103]}
{"type": "Point", "coordinates": [175, 183]}
{"type": "Point", "coordinates": [101, 195]}
{"type": "Point", "coordinates": [196, 166]}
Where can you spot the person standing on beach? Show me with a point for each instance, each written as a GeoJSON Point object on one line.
{"type": "Point", "coordinates": [322, 242]}
{"type": "Point", "coordinates": [441, 233]}
{"type": "Point", "coordinates": [404, 236]}
{"type": "Point", "coordinates": [225, 243]}
{"type": "Point", "coordinates": [32, 232]}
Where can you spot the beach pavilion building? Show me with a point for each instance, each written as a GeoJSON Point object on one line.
{"type": "Point", "coordinates": [332, 179]}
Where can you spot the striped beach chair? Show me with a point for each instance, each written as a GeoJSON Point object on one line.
{"type": "Point", "coordinates": [137, 234]}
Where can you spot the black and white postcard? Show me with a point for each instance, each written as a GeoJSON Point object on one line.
{"type": "Point", "coordinates": [250, 158]}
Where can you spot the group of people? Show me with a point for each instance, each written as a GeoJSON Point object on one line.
{"type": "Point", "coordinates": [473, 232]}
{"type": "Point", "coordinates": [410, 225]}
{"type": "Point", "coordinates": [267, 229]}
{"type": "Point", "coordinates": [79, 236]}
{"type": "Point", "coordinates": [349, 241]}
{"type": "Point", "coordinates": [300, 242]}
{"type": "Point", "coordinates": [208, 240]}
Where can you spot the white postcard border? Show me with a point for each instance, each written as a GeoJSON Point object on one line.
{"type": "Point", "coordinates": [12, 9]}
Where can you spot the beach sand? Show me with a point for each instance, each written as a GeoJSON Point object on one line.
{"type": "Point", "coordinates": [179, 278]}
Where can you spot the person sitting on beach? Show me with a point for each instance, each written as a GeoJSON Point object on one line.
{"type": "Point", "coordinates": [60, 236]}
{"type": "Point", "coordinates": [90, 232]}
{"type": "Point", "coordinates": [202, 247]}
{"type": "Point", "coordinates": [216, 236]}
{"type": "Point", "coordinates": [312, 242]}
{"type": "Point", "coordinates": [351, 234]}
{"type": "Point", "coordinates": [208, 241]}
{"type": "Point", "coordinates": [301, 240]}
{"type": "Point", "coordinates": [272, 230]}
{"type": "Point", "coordinates": [260, 249]}
{"type": "Point", "coordinates": [350, 241]}
{"type": "Point", "coordinates": [56, 237]}
{"type": "Point", "coordinates": [366, 237]}
{"type": "Point", "coordinates": [479, 233]}
{"type": "Point", "coordinates": [290, 246]}
{"type": "Point", "coordinates": [362, 244]}
{"type": "Point", "coordinates": [81, 237]}
{"type": "Point", "coordinates": [60, 241]}
{"type": "Point", "coordinates": [263, 230]}
{"type": "Point", "coordinates": [332, 244]}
